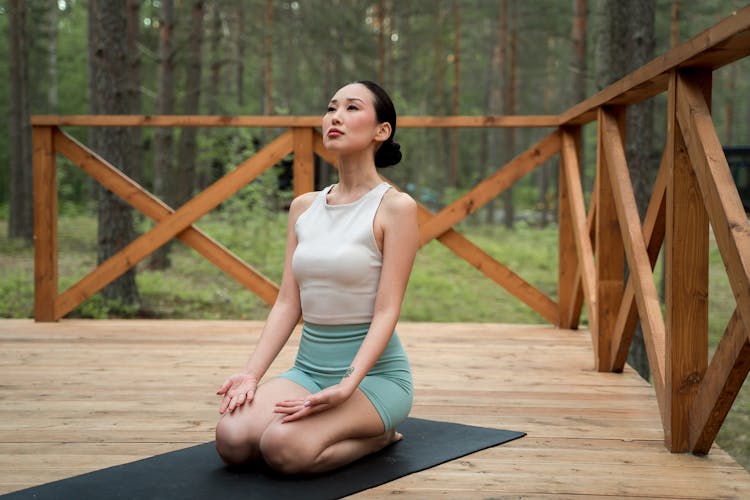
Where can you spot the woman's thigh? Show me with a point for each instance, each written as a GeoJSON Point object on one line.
{"type": "Point", "coordinates": [356, 418]}
{"type": "Point", "coordinates": [251, 419]}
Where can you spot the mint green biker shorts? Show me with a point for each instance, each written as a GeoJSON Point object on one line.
{"type": "Point", "coordinates": [326, 352]}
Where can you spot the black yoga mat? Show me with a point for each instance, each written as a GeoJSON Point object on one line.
{"type": "Point", "coordinates": [198, 473]}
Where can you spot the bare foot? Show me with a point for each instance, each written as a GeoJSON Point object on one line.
{"type": "Point", "coordinates": [392, 436]}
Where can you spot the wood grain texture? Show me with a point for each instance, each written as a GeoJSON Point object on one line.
{"type": "Point", "coordinates": [639, 264]}
{"type": "Point", "coordinates": [584, 248]}
{"type": "Point", "coordinates": [721, 44]}
{"type": "Point", "coordinates": [686, 276]}
{"type": "Point", "coordinates": [140, 199]}
{"type": "Point", "coordinates": [80, 395]}
{"type": "Point", "coordinates": [45, 223]}
{"type": "Point", "coordinates": [608, 247]}
{"type": "Point", "coordinates": [174, 224]}
{"type": "Point", "coordinates": [304, 167]}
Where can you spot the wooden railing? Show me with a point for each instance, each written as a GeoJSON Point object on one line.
{"type": "Point", "coordinates": [693, 189]}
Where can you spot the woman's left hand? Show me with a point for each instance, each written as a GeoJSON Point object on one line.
{"type": "Point", "coordinates": [326, 399]}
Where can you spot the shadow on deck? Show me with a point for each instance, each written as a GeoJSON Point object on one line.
{"type": "Point", "coordinates": [82, 395]}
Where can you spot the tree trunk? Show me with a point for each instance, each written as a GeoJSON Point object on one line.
{"type": "Point", "coordinates": [437, 45]}
{"type": "Point", "coordinates": [52, 97]}
{"type": "Point", "coordinates": [623, 47]}
{"type": "Point", "coordinates": [380, 23]}
{"type": "Point", "coordinates": [509, 208]}
{"type": "Point", "coordinates": [240, 44]}
{"type": "Point", "coordinates": [580, 70]}
{"type": "Point", "coordinates": [729, 105]}
{"type": "Point", "coordinates": [186, 149]}
{"type": "Point", "coordinates": [497, 87]}
{"type": "Point", "coordinates": [453, 169]}
{"type": "Point", "coordinates": [268, 67]}
{"type": "Point", "coordinates": [674, 31]}
{"type": "Point", "coordinates": [217, 61]}
{"type": "Point", "coordinates": [164, 136]}
{"type": "Point", "coordinates": [21, 219]}
{"type": "Point", "coordinates": [109, 87]}
{"type": "Point", "coordinates": [135, 157]}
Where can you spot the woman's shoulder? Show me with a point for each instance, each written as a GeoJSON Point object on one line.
{"type": "Point", "coordinates": [302, 203]}
{"type": "Point", "coordinates": [398, 204]}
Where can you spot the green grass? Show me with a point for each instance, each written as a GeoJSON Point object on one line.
{"type": "Point", "coordinates": [443, 288]}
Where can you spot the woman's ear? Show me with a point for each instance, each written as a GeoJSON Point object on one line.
{"type": "Point", "coordinates": [383, 132]}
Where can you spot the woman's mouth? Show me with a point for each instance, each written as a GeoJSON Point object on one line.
{"type": "Point", "coordinates": [334, 132]}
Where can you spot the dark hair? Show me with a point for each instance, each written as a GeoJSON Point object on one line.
{"type": "Point", "coordinates": [389, 152]}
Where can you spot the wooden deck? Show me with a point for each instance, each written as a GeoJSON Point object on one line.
{"type": "Point", "coordinates": [81, 395]}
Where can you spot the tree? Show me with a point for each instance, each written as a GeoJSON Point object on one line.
{"type": "Point", "coordinates": [164, 136]}
{"type": "Point", "coordinates": [20, 223]}
{"type": "Point", "coordinates": [456, 59]}
{"type": "Point", "coordinates": [625, 42]}
{"type": "Point", "coordinates": [510, 103]}
{"type": "Point", "coordinates": [52, 93]}
{"type": "Point", "coordinates": [109, 82]}
{"type": "Point", "coordinates": [187, 146]}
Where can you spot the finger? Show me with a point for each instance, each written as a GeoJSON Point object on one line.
{"type": "Point", "coordinates": [290, 403]}
{"type": "Point", "coordinates": [304, 412]}
{"type": "Point", "coordinates": [225, 386]}
{"type": "Point", "coordinates": [224, 405]}
{"type": "Point", "coordinates": [250, 396]}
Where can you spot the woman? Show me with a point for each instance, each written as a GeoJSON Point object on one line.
{"type": "Point", "coordinates": [350, 250]}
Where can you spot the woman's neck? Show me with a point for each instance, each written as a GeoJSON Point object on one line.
{"type": "Point", "coordinates": [357, 174]}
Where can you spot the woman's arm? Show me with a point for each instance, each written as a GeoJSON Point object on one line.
{"type": "Point", "coordinates": [400, 245]}
{"type": "Point", "coordinates": [398, 220]}
{"type": "Point", "coordinates": [279, 325]}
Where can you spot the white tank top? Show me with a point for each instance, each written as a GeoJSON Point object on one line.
{"type": "Point", "coordinates": [337, 261]}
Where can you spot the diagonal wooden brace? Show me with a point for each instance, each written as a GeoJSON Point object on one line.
{"type": "Point", "coordinates": [172, 225]}
{"type": "Point", "coordinates": [489, 188]}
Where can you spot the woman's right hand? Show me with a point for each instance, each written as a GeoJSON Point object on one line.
{"type": "Point", "coordinates": [237, 390]}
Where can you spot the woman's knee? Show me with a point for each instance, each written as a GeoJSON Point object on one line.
{"type": "Point", "coordinates": [285, 451]}
{"type": "Point", "coordinates": [236, 443]}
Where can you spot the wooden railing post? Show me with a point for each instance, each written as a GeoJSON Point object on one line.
{"type": "Point", "coordinates": [304, 161]}
{"type": "Point", "coordinates": [44, 169]}
{"type": "Point", "coordinates": [610, 254]}
{"type": "Point", "coordinates": [686, 287]}
{"type": "Point", "coordinates": [567, 262]}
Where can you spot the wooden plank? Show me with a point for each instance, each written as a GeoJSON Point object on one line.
{"type": "Point", "coordinates": [175, 223]}
{"type": "Point", "coordinates": [499, 273]}
{"type": "Point", "coordinates": [686, 278]}
{"type": "Point", "coordinates": [304, 168]}
{"type": "Point", "coordinates": [534, 121]}
{"type": "Point", "coordinates": [641, 274]}
{"type": "Point", "coordinates": [654, 226]}
{"type": "Point", "coordinates": [45, 223]}
{"type": "Point", "coordinates": [599, 432]}
{"type": "Point", "coordinates": [610, 258]}
{"type": "Point", "coordinates": [721, 383]}
{"type": "Point", "coordinates": [568, 276]}
{"type": "Point", "coordinates": [486, 190]}
{"type": "Point", "coordinates": [577, 305]}
{"type": "Point", "coordinates": [517, 121]}
{"type": "Point", "coordinates": [722, 201]}
{"type": "Point", "coordinates": [127, 189]}
{"type": "Point", "coordinates": [721, 44]}
{"type": "Point", "coordinates": [584, 249]}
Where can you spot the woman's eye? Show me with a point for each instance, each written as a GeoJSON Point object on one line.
{"type": "Point", "coordinates": [330, 108]}
{"type": "Point", "coordinates": [352, 107]}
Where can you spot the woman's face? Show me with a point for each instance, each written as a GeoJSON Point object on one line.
{"type": "Point", "coordinates": [350, 125]}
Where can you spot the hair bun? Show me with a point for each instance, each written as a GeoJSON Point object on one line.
{"type": "Point", "coordinates": [389, 153]}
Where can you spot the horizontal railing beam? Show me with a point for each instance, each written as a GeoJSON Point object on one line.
{"type": "Point", "coordinates": [515, 121]}
{"type": "Point", "coordinates": [723, 43]}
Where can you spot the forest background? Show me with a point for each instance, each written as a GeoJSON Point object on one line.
{"type": "Point", "coordinates": [265, 57]}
